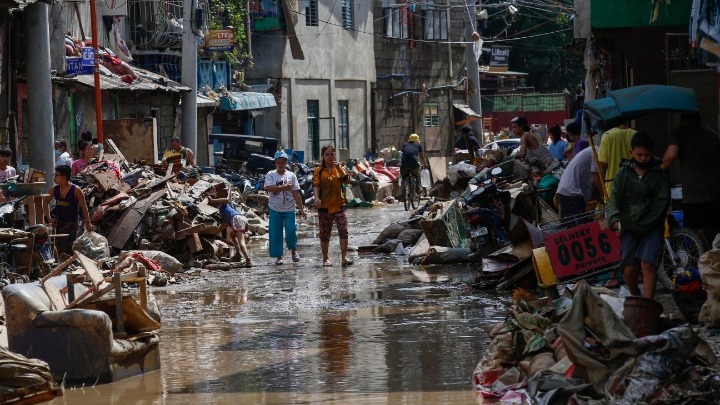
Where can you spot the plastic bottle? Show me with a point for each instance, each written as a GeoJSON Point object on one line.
{"type": "Point", "coordinates": [425, 178]}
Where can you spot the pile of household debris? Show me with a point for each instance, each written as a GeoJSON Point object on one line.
{"type": "Point", "coordinates": [590, 347]}
{"type": "Point", "coordinates": [164, 208]}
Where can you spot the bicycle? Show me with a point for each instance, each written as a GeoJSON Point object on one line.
{"type": "Point", "coordinates": [682, 249]}
{"type": "Point", "coordinates": [411, 190]}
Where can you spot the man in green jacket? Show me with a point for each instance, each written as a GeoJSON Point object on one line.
{"type": "Point", "coordinates": [637, 210]}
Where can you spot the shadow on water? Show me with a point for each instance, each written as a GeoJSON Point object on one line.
{"type": "Point", "coordinates": [380, 331]}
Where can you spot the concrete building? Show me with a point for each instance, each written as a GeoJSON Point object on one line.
{"type": "Point", "coordinates": [420, 73]}
{"type": "Point", "coordinates": [323, 97]}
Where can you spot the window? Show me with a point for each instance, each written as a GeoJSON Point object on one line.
{"type": "Point", "coordinates": [348, 16]}
{"type": "Point", "coordinates": [343, 124]}
{"type": "Point", "coordinates": [311, 13]}
{"type": "Point", "coordinates": [397, 19]}
{"type": "Point", "coordinates": [435, 22]}
{"type": "Point", "coordinates": [313, 137]}
{"type": "Point", "coordinates": [395, 107]}
{"type": "Point", "coordinates": [430, 115]}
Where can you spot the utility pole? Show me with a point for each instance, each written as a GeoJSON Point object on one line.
{"type": "Point", "coordinates": [41, 140]}
{"type": "Point", "coordinates": [473, 70]}
{"type": "Point", "coordinates": [188, 135]}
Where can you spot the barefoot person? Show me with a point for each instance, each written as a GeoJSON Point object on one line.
{"type": "Point", "coordinates": [238, 223]}
{"type": "Point", "coordinates": [284, 190]}
{"type": "Point", "coordinates": [330, 203]}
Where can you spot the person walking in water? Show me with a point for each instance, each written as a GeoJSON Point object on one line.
{"type": "Point", "coordinates": [284, 190]}
{"type": "Point", "coordinates": [328, 179]}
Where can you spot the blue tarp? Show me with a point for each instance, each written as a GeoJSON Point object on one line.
{"type": "Point", "coordinates": [246, 100]}
{"type": "Point", "coordinates": [624, 105]}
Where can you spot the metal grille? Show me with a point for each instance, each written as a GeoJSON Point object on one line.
{"type": "Point", "coordinates": [155, 23]}
{"type": "Point", "coordinates": [348, 14]}
{"type": "Point", "coordinates": [311, 13]}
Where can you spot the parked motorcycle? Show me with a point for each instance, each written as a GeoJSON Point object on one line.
{"type": "Point", "coordinates": [488, 214]}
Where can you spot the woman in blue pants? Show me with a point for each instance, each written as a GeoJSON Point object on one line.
{"type": "Point", "coordinates": [284, 190]}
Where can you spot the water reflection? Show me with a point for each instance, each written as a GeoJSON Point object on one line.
{"type": "Point", "coordinates": [380, 332]}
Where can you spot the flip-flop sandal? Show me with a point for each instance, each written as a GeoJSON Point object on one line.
{"type": "Point", "coordinates": [327, 263]}
{"type": "Point", "coordinates": [295, 257]}
{"type": "Point", "coordinates": [248, 264]}
{"type": "Point", "coordinates": [279, 261]}
{"type": "Point", "coordinates": [348, 263]}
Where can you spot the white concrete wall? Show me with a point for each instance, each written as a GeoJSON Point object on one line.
{"type": "Point", "coordinates": [339, 64]}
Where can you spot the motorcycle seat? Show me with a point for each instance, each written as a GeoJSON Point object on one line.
{"type": "Point", "coordinates": [15, 247]}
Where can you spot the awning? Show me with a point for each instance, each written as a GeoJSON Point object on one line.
{"type": "Point", "coordinates": [246, 100]}
{"type": "Point", "coordinates": [205, 101]}
{"type": "Point", "coordinates": [471, 115]}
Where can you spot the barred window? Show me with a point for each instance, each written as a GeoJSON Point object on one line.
{"type": "Point", "coordinates": [431, 117]}
{"type": "Point", "coordinates": [395, 107]}
{"type": "Point", "coordinates": [396, 21]}
{"type": "Point", "coordinates": [344, 124]}
{"type": "Point", "coordinates": [435, 22]}
{"type": "Point", "coordinates": [311, 13]}
{"type": "Point", "coordinates": [348, 14]}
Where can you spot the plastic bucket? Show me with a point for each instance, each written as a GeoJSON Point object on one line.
{"type": "Point", "coordinates": [642, 316]}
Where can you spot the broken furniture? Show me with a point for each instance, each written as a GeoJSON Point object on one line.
{"type": "Point", "coordinates": [79, 340]}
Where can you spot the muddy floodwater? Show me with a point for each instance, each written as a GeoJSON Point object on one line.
{"type": "Point", "coordinates": [378, 332]}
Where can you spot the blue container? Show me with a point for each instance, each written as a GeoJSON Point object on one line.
{"type": "Point", "coordinates": [678, 217]}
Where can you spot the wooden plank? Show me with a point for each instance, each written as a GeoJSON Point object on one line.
{"type": "Point", "coordinates": [91, 269]}
{"type": "Point", "coordinates": [184, 233]}
{"type": "Point", "coordinates": [193, 243]}
{"type": "Point", "coordinates": [210, 230]}
{"type": "Point", "coordinates": [135, 136]}
{"type": "Point", "coordinates": [60, 268]}
{"type": "Point", "coordinates": [56, 297]}
{"type": "Point", "coordinates": [130, 219]}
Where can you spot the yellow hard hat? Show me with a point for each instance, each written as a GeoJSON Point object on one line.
{"type": "Point", "coordinates": [414, 138]}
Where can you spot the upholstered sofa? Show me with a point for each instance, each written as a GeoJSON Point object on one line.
{"type": "Point", "coordinates": [78, 344]}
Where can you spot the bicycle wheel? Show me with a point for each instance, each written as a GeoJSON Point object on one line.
{"type": "Point", "coordinates": [406, 192]}
{"type": "Point", "coordinates": [415, 192]}
{"type": "Point", "coordinates": [687, 246]}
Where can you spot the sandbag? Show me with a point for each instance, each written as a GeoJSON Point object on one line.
{"type": "Point", "coordinates": [709, 265]}
{"type": "Point", "coordinates": [388, 247]}
{"type": "Point", "coordinates": [420, 250]}
{"type": "Point", "coordinates": [169, 263]}
{"type": "Point", "coordinates": [444, 255]}
{"type": "Point", "coordinates": [410, 237]}
{"type": "Point", "coordinates": [390, 232]}
{"type": "Point", "coordinates": [589, 312]}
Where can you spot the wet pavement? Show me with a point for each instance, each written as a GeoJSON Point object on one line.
{"type": "Point", "coordinates": [378, 332]}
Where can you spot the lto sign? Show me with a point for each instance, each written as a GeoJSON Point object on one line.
{"type": "Point", "coordinates": [583, 248]}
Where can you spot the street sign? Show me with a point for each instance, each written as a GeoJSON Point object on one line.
{"type": "Point", "coordinates": [74, 66]}
{"type": "Point", "coordinates": [88, 56]}
{"type": "Point", "coordinates": [581, 249]}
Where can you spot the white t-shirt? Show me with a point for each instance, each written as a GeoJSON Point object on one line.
{"type": "Point", "coordinates": [577, 179]}
{"type": "Point", "coordinates": [282, 201]}
{"type": "Point", "coordinates": [7, 173]}
{"type": "Point", "coordinates": [64, 159]}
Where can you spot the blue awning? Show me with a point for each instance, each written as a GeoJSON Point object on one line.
{"type": "Point", "coordinates": [246, 100]}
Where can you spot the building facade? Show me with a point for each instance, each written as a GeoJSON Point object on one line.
{"type": "Point", "coordinates": [323, 97]}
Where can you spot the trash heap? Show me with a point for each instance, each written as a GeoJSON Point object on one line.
{"type": "Point", "coordinates": [160, 208]}
{"type": "Point", "coordinates": [584, 348]}
{"type": "Point", "coordinates": [480, 213]}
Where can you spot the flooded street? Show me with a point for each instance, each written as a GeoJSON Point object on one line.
{"type": "Point", "coordinates": [378, 332]}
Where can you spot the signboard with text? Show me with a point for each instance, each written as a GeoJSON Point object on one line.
{"type": "Point", "coordinates": [582, 249]}
{"type": "Point", "coordinates": [220, 40]}
{"type": "Point", "coordinates": [88, 56]}
{"type": "Point", "coordinates": [500, 56]}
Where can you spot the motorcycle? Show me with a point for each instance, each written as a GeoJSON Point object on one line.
{"type": "Point", "coordinates": [488, 214]}
{"type": "Point", "coordinates": [12, 215]}
{"type": "Point", "coordinates": [304, 175]}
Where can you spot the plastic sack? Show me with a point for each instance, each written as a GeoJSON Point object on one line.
{"type": "Point", "coordinates": [92, 245]}
{"type": "Point", "coordinates": [168, 263]}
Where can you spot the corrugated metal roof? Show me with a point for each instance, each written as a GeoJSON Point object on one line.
{"type": "Point", "coordinates": [146, 81]}
{"type": "Point", "coordinates": [206, 101]}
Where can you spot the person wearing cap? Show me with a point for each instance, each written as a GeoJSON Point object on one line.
{"type": "Point", "coordinates": [466, 132]}
{"type": "Point", "coordinates": [531, 144]}
{"type": "Point", "coordinates": [284, 190]}
{"type": "Point", "coordinates": [412, 157]}
{"type": "Point", "coordinates": [62, 156]}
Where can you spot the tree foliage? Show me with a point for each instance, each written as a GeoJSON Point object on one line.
{"type": "Point", "coordinates": [226, 14]}
{"type": "Point", "coordinates": [539, 42]}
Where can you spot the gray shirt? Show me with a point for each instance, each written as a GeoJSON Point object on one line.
{"type": "Point", "coordinates": [577, 179]}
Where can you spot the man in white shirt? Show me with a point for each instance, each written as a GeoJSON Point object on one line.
{"type": "Point", "coordinates": [6, 171]}
{"type": "Point", "coordinates": [577, 183]}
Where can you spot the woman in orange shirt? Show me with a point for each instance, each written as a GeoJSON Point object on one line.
{"type": "Point", "coordinates": [330, 203]}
